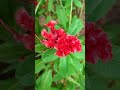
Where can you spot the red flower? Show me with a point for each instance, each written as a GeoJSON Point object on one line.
{"type": "Point", "coordinates": [97, 44]}
{"type": "Point", "coordinates": [26, 22]}
{"type": "Point", "coordinates": [62, 42]}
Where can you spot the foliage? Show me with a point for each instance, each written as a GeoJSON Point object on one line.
{"type": "Point", "coordinates": [52, 72]}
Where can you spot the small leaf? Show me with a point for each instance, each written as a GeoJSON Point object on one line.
{"type": "Point", "coordinates": [78, 3]}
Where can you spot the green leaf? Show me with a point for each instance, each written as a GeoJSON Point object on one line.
{"type": "Point", "coordinates": [70, 86]}
{"type": "Point", "coordinates": [82, 82]}
{"type": "Point", "coordinates": [97, 9]}
{"type": "Point", "coordinates": [70, 67]}
{"type": "Point", "coordinates": [80, 55]}
{"type": "Point", "coordinates": [50, 5]}
{"type": "Point", "coordinates": [66, 66]}
{"type": "Point", "coordinates": [73, 81]}
{"type": "Point", "coordinates": [25, 71]}
{"type": "Point", "coordinates": [78, 3]}
{"type": "Point", "coordinates": [48, 19]}
{"type": "Point", "coordinates": [49, 55]}
{"type": "Point", "coordinates": [75, 27]}
{"type": "Point", "coordinates": [39, 47]}
{"type": "Point", "coordinates": [56, 64]}
{"type": "Point", "coordinates": [58, 77]}
{"type": "Point", "coordinates": [61, 14]}
{"type": "Point", "coordinates": [39, 65]}
{"type": "Point", "coordinates": [63, 66]}
{"type": "Point", "coordinates": [10, 84]}
{"type": "Point", "coordinates": [67, 3]}
{"type": "Point", "coordinates": [46, 81]}
{"type": "Point", "coordinates": [12, 51]}
{"type": "Point", "coordinates": [52, 88]}
{"type": "Point", "coordinates": [113, 32]}
{"type": "Point", "coordinates": [77, 65]}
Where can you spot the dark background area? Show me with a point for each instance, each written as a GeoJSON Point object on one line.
{"type": "Point", "coordinates": [16, 62]}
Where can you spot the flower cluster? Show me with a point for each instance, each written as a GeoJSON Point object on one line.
{"type": "Point", "coordinates": [97, 44]}
{"type": "Point", "coordinates": [58, 39]}
{"type": "Point", "coordinates": [26, 22]}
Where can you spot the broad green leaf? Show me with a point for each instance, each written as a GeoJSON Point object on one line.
{"type": "Point", "coordinates": [70, 66]}
{"type": "Point", "coordinates": [46, 81]}
{"type": "Point", "coordinates": [39, 65]}
{"type": "Point", "coordinates": [61, 14]}
{"type": "Point", "coordinates": [63, 66]}
{"type": "Point", "coordinates": [50, 5]}
{"type": "Point", "coordinates": [49, 55]}
{"type": "Point", "coordinates": [78, 3]}
{"type": "Point", "coordinates": [66, 66]}
{"type": "Point", "coordinates": [75, 27]}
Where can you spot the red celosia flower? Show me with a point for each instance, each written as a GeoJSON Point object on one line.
{"type": "Point", "coordinates": [97, 44]}
{"type": "Point", "coordinates": [62, 42]}
{"type": "Point", "coordinates": [26, 22]}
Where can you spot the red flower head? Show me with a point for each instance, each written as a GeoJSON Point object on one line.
{"type": "Point", "coordinates": [58, 39]}
{"type": "Point", "coordinates": [26, 22]}
{"type": "Point", "coordinates": [97, 44]}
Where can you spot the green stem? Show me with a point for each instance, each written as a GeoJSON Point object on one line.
{"type": "Point", "coordinates": [71, 13]}
{"type": "Point", "coordinates": [37, 7]}
{"type": "Point", "coordinates": [61, 4]}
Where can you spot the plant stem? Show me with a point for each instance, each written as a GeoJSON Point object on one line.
{"type": "Point", "coordinates": [7, 28]}
{"type": "Point", "coordinates": [71, 13]}
{"type": "Point", "coordinates": [61, 4]}
{"type": "Point", "coordinates": [37, 37]}
{"type": "Point", "coordinates": [37, 7]}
